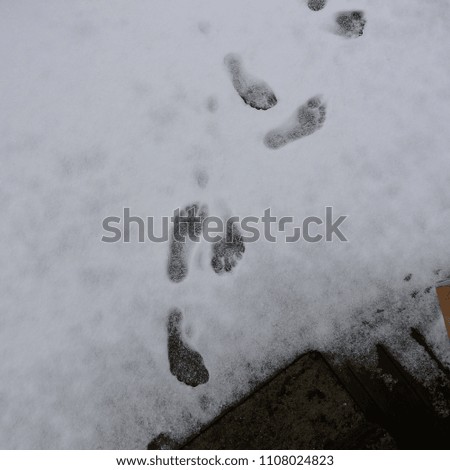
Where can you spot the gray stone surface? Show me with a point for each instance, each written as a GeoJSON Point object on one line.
{"type": "Point", "coordinates": [303, 407]}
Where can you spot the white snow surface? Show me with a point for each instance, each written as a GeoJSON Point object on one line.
{"type": "Point", "coordinates": [104, 106]}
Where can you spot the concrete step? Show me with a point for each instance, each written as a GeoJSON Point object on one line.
{"type": "Point", "coordinates": [316, 403]}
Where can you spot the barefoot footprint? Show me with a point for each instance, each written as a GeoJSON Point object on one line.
{"type": "Point", "coordinates": [316, 5]}
{"type": "Point", "coordinates": [228, 251]}
{"type": "Point", "coordinates": [187, 227]}
{"type": "Point", "coordinates": [350, 24]}
{"type": "Point", "coordinates": [255, 92]}
{"type": "Point", "coordinates": [185, 364]}
{"type": "Point", "coordinates": [308, 119]}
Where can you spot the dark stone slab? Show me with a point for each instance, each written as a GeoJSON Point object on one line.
{"type": "Point", "coordinates": [391, 397]}
{"type": "Point", "coordinates": [303, 407]}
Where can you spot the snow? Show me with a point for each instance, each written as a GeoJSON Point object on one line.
{"type": "Point", "coordinates": [105, 106]}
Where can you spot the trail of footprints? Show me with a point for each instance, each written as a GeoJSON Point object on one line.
{"type": "Point", "coordinates": [186, 364]}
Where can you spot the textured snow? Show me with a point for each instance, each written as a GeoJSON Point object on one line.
{"type": "Point", "coordinates": [107, 105]}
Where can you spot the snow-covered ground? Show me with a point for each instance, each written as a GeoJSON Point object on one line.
{"type": "Point", "coordinates": [107, 104]}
